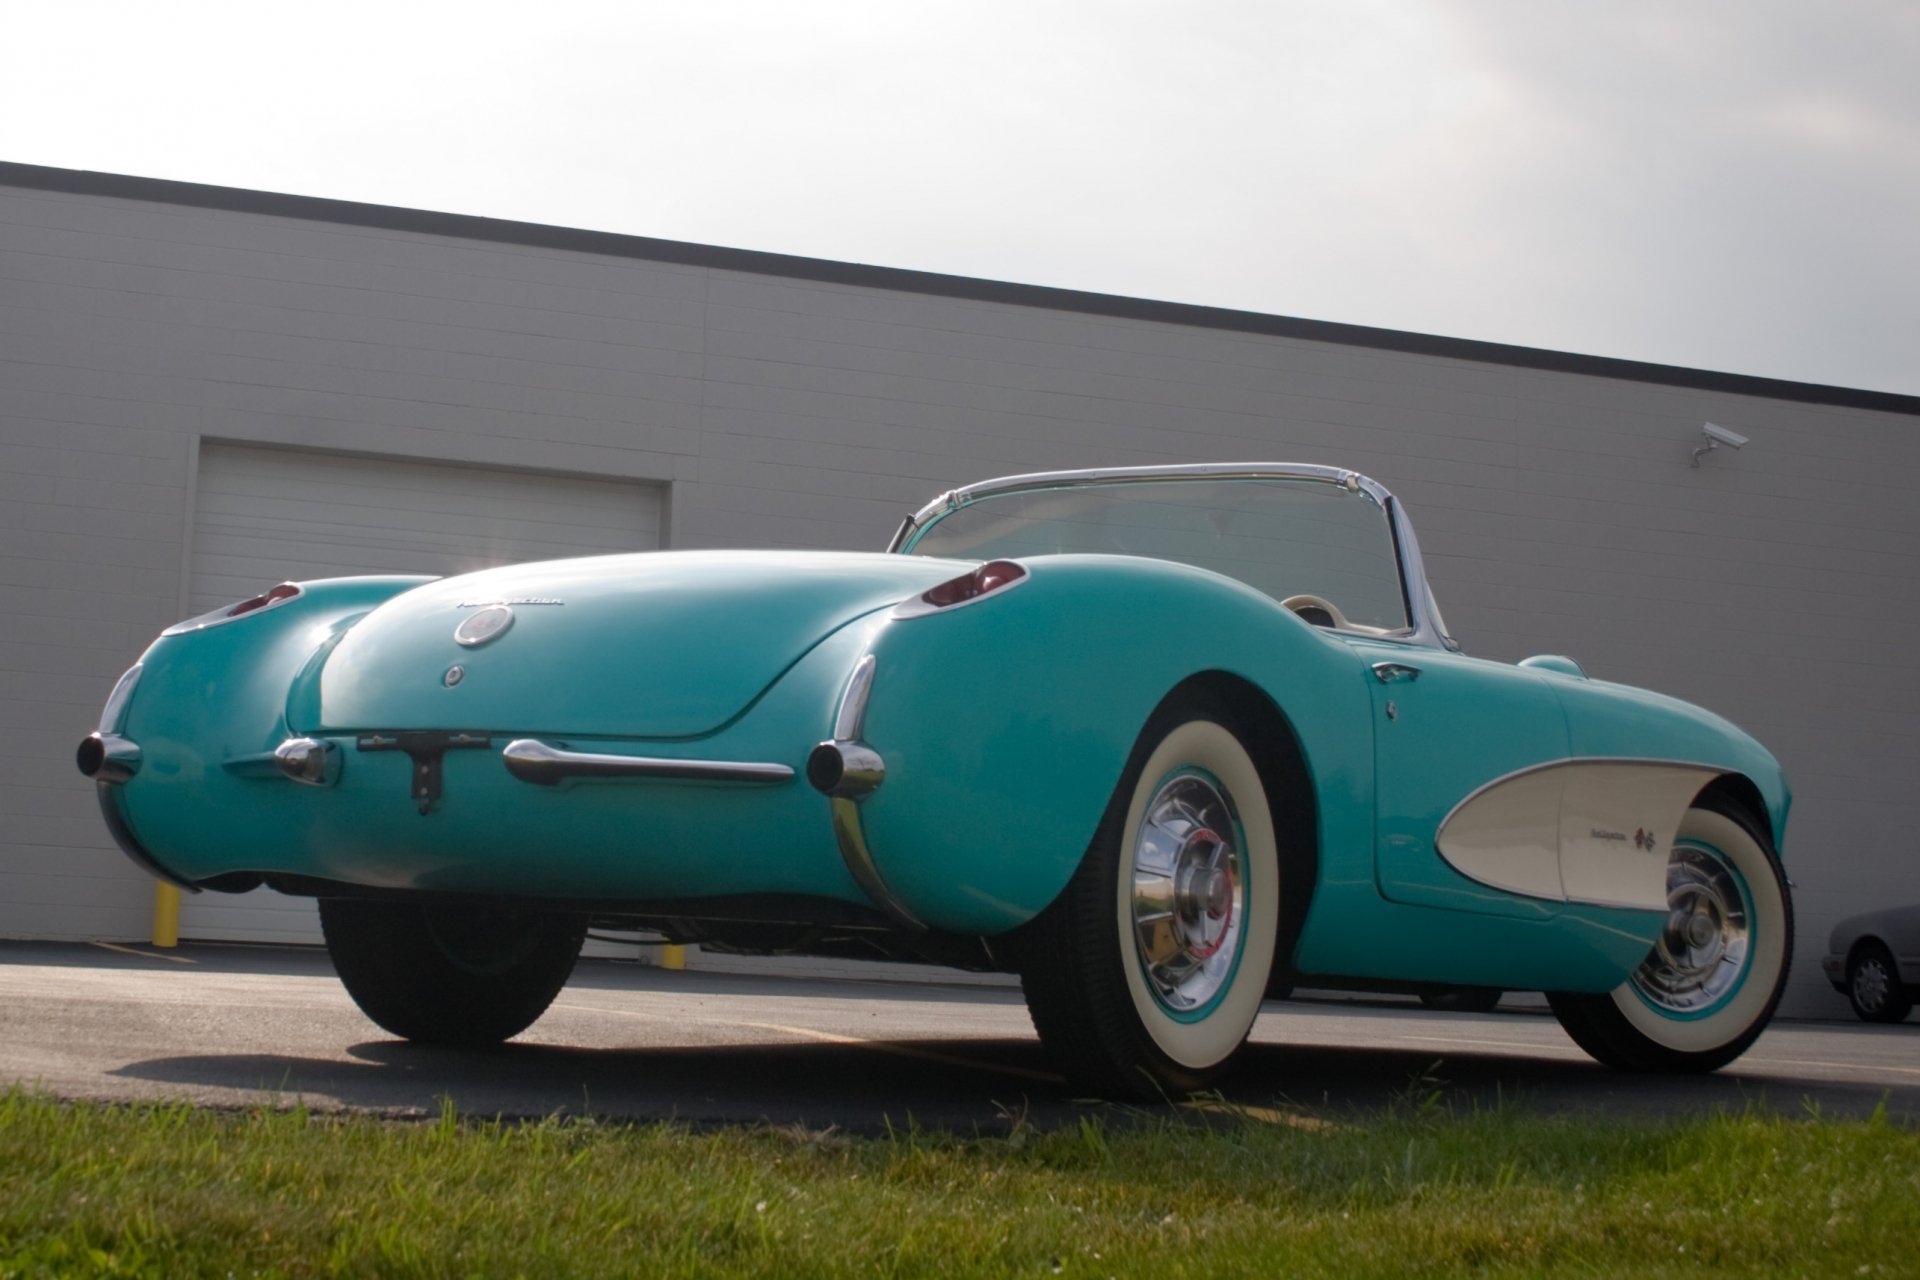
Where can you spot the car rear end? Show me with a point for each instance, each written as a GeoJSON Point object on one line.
{"type": "Point", "coordinates": [621, 728]}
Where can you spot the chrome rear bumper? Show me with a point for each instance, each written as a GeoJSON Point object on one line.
{"type": "Point", "coordinates": [531, 760]}
{"type": "Point", "coordinates": [846, 770]}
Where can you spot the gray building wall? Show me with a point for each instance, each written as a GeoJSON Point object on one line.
{"type": "Point", "coordinates": [1556, 505]}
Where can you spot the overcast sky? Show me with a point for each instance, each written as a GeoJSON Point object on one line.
{"type": "Point", "coordinates": [1725, 184]}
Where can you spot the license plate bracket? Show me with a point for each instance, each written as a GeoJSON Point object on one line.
{"type": "Point", "coordinates": [426, 749]}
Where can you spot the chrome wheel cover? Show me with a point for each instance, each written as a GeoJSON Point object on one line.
{"type": "Point", "coordinates": [1189, 892]}
{"type": "Point", "coordinates": [1701, 955]}
{"type": "Point", "coordinates": [1871, 983]}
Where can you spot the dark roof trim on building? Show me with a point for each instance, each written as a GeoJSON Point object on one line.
{"type": "Point", "coordinates": [537, 235]}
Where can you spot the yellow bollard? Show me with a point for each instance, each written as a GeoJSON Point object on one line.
{"type": "Point", "coordinates": [166, 915]}
{"type": "Point", "coordinates": [673, 956]}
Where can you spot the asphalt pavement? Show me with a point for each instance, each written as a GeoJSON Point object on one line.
{"type": "Point", "coordinates": [238, 1026]}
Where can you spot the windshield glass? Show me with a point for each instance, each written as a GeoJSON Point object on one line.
{"type": "Point", "coordinates": [1283, 537]}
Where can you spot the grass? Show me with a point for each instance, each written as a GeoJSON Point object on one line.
{"type": "Point", "coordinates": [170, 1191]}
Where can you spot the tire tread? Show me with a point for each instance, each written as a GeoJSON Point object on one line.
{"type": "Point", "coordinates": [390, 964]}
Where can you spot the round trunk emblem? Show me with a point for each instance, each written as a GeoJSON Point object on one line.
{"type": "Point", "coordinates": [483, 626]}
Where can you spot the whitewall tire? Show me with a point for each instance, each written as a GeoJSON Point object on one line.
{"type": "Point", "coordinates": [1184, 958]}
{"type": "Point", "coordinates": [1714, 976]}
{"type": "Point", "coordinates": [1145, 976]}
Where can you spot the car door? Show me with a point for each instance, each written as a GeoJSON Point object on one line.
{"type": "Point", "coordinates": [1446, 725]}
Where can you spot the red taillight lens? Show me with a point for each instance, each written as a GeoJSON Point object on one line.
{"type": "Point", "coordinates": [285, 591]}
{"type": "Point", "coordinates": [990, 576]}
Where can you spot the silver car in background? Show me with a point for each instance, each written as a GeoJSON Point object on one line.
{"type": "Point", "coordinates": [1874, 960]}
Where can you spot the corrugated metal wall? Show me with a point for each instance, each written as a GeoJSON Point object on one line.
{"type": "Point", "coordinates": [1557, 509]}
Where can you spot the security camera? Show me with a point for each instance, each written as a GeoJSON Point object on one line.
{"type": "Point", "coordinates": [1717, 436]}
{"type": "Point", "coordinates": [1724, 436]}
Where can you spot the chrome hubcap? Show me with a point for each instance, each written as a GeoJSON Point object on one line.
{"type": "Point", "coordinates": [1699, 957]}
{"type": "Point", "coordinates": [1188, 899]}
{"type": "Point", "coordinates": [1870, 985]}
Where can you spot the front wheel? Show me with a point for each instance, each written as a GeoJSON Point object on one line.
{"type": "Point", "coordinates": [1714, 976]}
{"type": "Point", "coordinates": [1145, 975]}
{"type": "Point", "coordinates": [450, 973]}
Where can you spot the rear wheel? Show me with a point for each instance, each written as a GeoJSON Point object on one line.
{"type": "Point", "coordinates": [445, 973]}
{"type": "Point", "coordinates": [1145, 975]}
{"type": "Point", "coordinates": [1873, 985]}
{"type": "Point", "coordinates": [1714, 976]}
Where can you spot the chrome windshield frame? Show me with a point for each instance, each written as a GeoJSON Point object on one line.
{"type": "Point", "coordinates": [1421, 609]}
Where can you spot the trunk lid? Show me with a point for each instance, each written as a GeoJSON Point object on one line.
{"type": "Point", "coordinates": [653, 645]}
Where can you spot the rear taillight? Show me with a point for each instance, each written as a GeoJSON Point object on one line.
{"type": "Point", "coordinates": [226, 613]}
{"type": "Point", "coordinates": [988, 578]}
{"type": "Point", "coordinates": [285, 591]}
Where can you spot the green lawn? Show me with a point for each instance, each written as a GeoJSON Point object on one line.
{"type": "Point", "coordinates": [170, 1191]}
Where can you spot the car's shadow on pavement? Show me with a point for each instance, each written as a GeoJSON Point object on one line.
{"type": "Point", "coordinates": [986, 1085]}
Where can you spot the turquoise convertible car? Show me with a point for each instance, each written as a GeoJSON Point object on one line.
{"type": "Point", "coordinates": [1157, 739]}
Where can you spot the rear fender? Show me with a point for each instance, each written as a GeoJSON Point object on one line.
{"type": "Point", "coordinates": [1005, 724]}
{"type": "Point", "coordinates": [216, 698]}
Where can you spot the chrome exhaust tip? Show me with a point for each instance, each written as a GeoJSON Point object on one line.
{"type": "Point", "coordinates": [313, 761]}
{"type": "Point", "coordinates": [108, 757]}
{"type": "Point", "coordinates": [845, 770]}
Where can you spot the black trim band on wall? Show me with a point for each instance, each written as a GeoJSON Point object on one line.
{"type": "Point", "coordinates": [538, 235]}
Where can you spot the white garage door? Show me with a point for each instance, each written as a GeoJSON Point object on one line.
{"type": "Point", "coordinates": [263, 516]}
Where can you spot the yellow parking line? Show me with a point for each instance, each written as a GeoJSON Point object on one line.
{"type": "Point", "coordinates": [625, 1013]}
{"type": "Point", "coordinates": [830, 1037]}
{"type": "Point", "coordinates": [1755, 1060]}
{"type": "Point", "coordinates": [1521, 1045]}
{"type": "Point", "coordinates": [144, 955]}
{"type": "Point", "coordinates": [1852, 1067]}
{"type": "Point", "coordinates": [905, 1051]}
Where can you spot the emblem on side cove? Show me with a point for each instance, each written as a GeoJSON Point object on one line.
{"type": "Point", "coordinates": [488, 624]}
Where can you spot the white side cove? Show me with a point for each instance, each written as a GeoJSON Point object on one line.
{"type": "Point", "coordinates": [1596, 832]}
